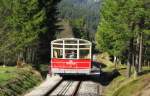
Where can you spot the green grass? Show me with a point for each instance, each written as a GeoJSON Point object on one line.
{"type": "Point", "coordinates": [114, 84]}
{"type": "Point", "coordinates": [7, 73]}
{"type": "Point", "coordinates": [129, 88]}
{"type": "Point", "coordinates": [123, 86]}
{"type": "Point", "coordinates": [15, 81]}
{"type": "Point", "coordinates": [111, 68]}
{"type": "Point", "coordinates": [104, 59]}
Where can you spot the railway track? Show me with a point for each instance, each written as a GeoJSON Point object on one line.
{"type": "Point", "coordinates": [65, 88]}
{"type": "Point", "coordinates": [89, 88]}
{"type": "Point", "coordinates": [75, 88]}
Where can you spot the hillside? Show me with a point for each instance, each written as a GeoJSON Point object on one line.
{"type": "Point", "coordinates": [122, 86]}
{"type": "Point", "coordinates": [85, 10]}
{"type": "Point", "coordinates": [65, 30]}
{"type": "Point", "coordinates": [116, 83]}
{"type": "Point", "coordinates": [16, 81]}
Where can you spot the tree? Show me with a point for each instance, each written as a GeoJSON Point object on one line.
{"type": "Point", "coordinates": [81, 11]}
{"type": "Point", "coordinates": [121, 30]}
{"type": "Point", "coordinates": [26, 24]}
{"type": "Point", "coordinates": [112, 32]}
{"type": "Point", "coordinates": [79, 28]}
{"type": "Point", "coordinates": [45, 38]}
{"type": "Point", "coordinates": [25, 21]}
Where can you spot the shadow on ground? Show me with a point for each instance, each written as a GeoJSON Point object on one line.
{"type": "Point", "coordinates": [104, 78]}
{"type": "Point", "coordinates": [98, 76]}
{"type": "Point", "coordinates": [97, 64]}
{"type": "Point", "coordinates": [144, 72]}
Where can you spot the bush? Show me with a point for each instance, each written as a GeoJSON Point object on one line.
{"type": "Point", "coordinates": [26, 79]}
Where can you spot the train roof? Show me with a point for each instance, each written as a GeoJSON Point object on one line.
{"type": "Point", "coordinates": [71, 39]}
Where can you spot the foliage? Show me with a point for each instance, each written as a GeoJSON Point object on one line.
{"type": "Point", "coordinates": [121, 85]}
{"type": "Point", "coordinates": [123, 31]}
{"type": "Point", "coordinates": [112, 32]}
{"type": "Point", "coordinates": [25, 22]}
{"type": "Point", "coordinates": [26, 29]}
{"type": "Point", "coordinates": [79, 28]}
{"type": "Point", "coordinates": [16, 81]}
{"type": "Point", "coordinates": [81, 11]}
{"type": "Point", "coordinates": [132, 87]}
{"type": "Point", "coordinates": [104, 58]}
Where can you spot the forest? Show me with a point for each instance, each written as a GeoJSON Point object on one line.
{"type": "Point", "coordinates": [120, 28]}
{"type": "Point", "coordinates": [83, 16]}
{"type": "Point", "coordinates": [124, 32]}
{"type": "Point", "coordinates": [26, 29]}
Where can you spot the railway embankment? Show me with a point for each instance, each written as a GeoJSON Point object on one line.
{"type": "Point", "coordinates": [115, 82]}
{"type": "Point", "coordinates": [123, 86]}
{"type": "Point", "coordinates": [16, 81]}
{"type": "Point", "coordinates": [45, 87]}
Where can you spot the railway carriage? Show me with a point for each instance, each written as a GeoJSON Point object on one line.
{"type": "Point", "coordinates": [70, 56]}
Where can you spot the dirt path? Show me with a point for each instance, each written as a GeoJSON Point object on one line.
{"type": "Point", "coordinates": [145, 91]}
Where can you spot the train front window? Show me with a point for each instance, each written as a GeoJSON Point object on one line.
{"type": "Point", "coordinates": [84, 54]}
{"type": "Point", "coordinates": [71, 48]}
{"type": "Point", "coordinates": [71, 54]}
{"type": "Point", "coordinates": [58, 53]}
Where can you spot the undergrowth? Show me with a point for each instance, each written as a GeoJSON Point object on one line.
{"type": "Point", "coordinates": [22, 79]}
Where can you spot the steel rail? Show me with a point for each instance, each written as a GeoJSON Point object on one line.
{"type": "Point", "coordinates": [76, 89]}
{"type": "Point", "coordinates": [47, 94]}
{"type": "Point", "coordinates": [66, 88]}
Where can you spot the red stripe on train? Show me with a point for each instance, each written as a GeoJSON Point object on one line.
{"type": "Point", "coordinates": [71, 63]}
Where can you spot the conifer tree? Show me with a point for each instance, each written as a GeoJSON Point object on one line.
{"type": "Point", "coordinates": [123, 27]}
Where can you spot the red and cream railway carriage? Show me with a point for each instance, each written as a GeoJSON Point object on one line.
{"type": "Point", "coordinates": [70, 56]}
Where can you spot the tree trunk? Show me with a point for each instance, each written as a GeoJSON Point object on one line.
{"type": "Point", "coordinates": [128, 68]}
{"type": "Point", "coordinates": [25, 54]}
{"type": "Point", "coordinates": [136, 66]}
{"type": "Point", "coordinates": [28, 55]}
{"type": "Point", "coordinates": [31, 52]}
{"type": "Point", "coordinates": [115, 58]}
{"type": "Point", "coordinates": [19, 59]}
{"type": "Point", "coordinates": [33, 56]}
{"type": "Point", "coordinates": [133, 59]}
{"type": "Point", "coordinates": [140, 53]}
{"type": "Point", "coordinates": [115, 61]}
{"type": "Point", "coordinates": [4, 64]}
{"type": "Point", "coordinates": [137, 57]}
{"type": "Point", "coordinates": [141, 26]}
{"type": "Point", "coordinates": [130, 57]}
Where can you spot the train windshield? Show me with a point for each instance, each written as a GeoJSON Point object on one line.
{"type": "Point", "coordinates": [71, 48]}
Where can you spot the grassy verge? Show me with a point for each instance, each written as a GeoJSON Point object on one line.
{"type": "Point", "coordinates": [7, 73]}
{"type": "Point", "coordinates": [15, 81]}
{"type": "Point", "coordinates": [123, 86]}
{"type": "Point", "coordinates": [104, 59]}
